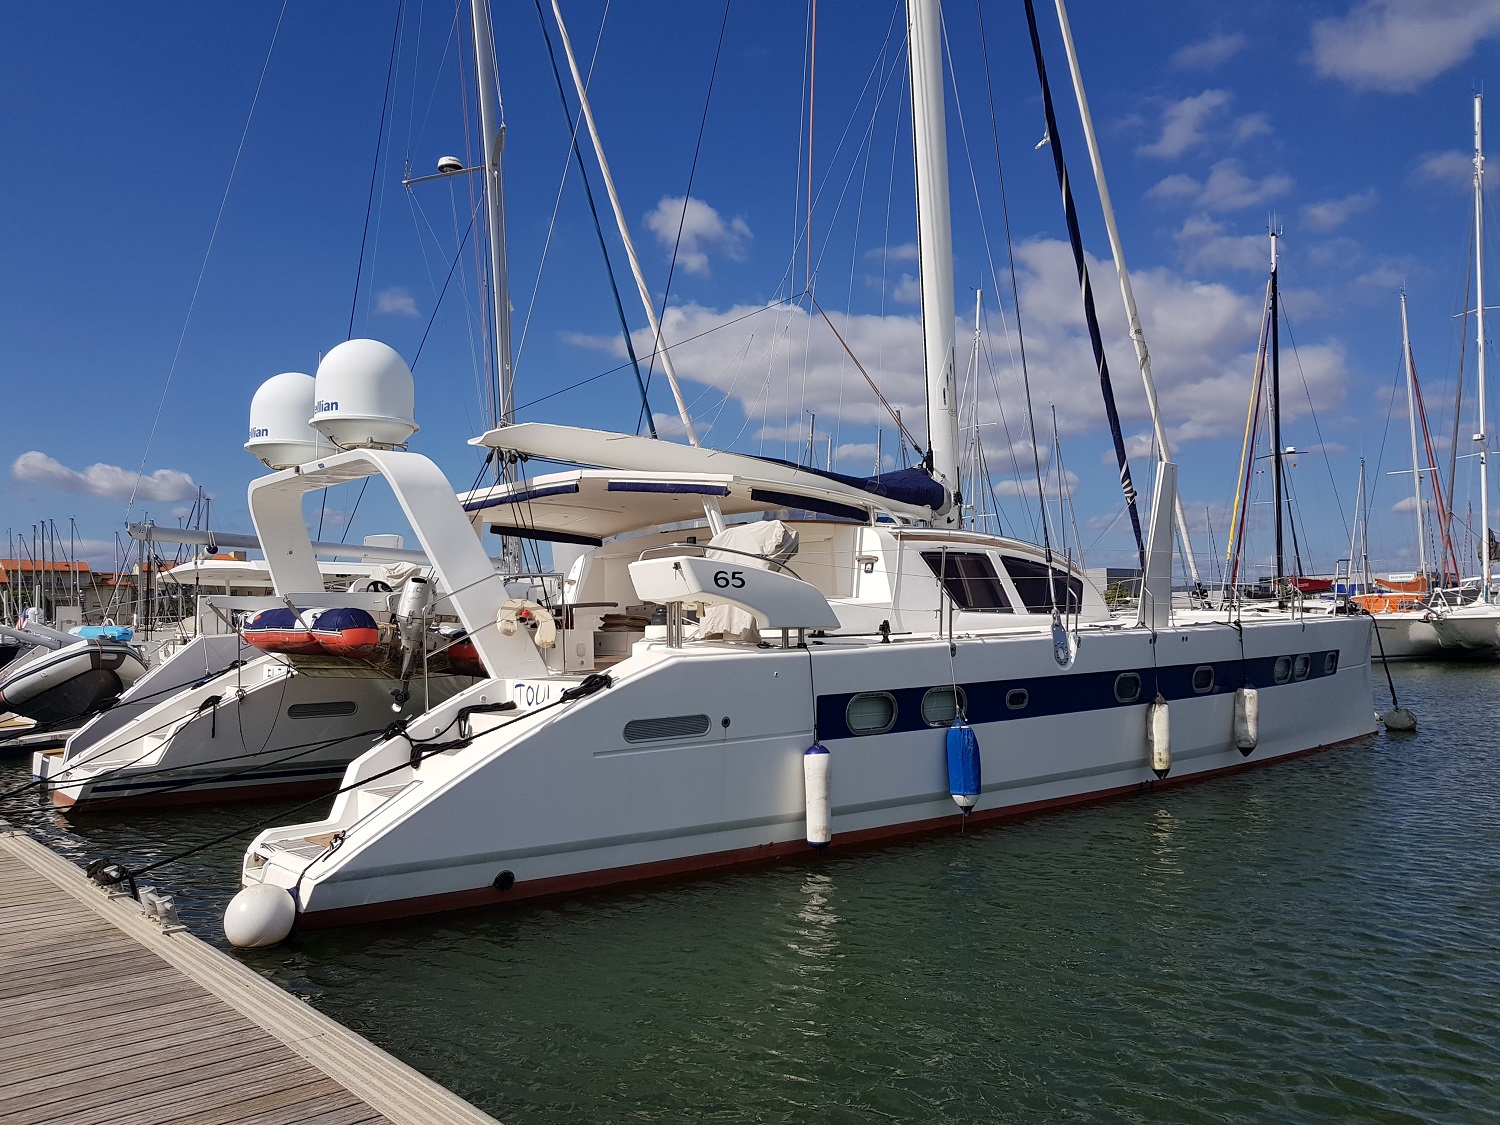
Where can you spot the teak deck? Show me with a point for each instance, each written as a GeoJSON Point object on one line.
{"type": "Point", "coordinates": [106, 1018]}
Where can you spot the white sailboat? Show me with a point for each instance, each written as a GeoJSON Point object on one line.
{"type": "Point", "coordinates": [1475, 628]}
{"type": "Point", "coordinates": [851, 667]}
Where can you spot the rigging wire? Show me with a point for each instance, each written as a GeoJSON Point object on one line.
{"type": "Point", "coordinates": [207, 254]}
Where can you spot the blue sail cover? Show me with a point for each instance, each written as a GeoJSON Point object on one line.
{"type": "Point", "coordinates": [905, 486]}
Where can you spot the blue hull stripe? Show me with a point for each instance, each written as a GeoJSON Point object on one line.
{"type": "Point", "coordinates": [227, 780]}
{"type": "Point", "coordinates": [1065, 694]}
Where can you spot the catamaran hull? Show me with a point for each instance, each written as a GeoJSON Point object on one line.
{"type": "Point", "coordinates": [1470, 630]}
{"type": "Point", "coordinates": [1408, 636]}
{"type": "Point", "coordinates": [601, 791]}
{"type": "Point", "coordinates": [256, 730]}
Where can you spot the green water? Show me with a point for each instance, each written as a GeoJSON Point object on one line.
{"type": "Point", "coordinates": [1313, 941]}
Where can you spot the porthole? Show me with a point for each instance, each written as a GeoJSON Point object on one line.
{"type": "Point", "coordinates": [1283, 671]}
{"type": "Point", "coordinates": [874, 712]}
{"type": "Point", "coordinates": [1330, 663]}
{"type": "Point", "coordinates": [1017, 698]}
{"type": "Point", "coordinates": [1203, 678]}
{"type": "Point", "coordinates": [941, 705]}
{"type": "Point", "coordinates": [1127, 687]}
{"type": "Point", "coordinates": [1301, 666]}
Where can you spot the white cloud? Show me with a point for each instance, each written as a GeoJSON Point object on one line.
{"type": "Point", "coordinates": [901, 252]}
{"type": "Point", "coordinates": [1226, 188]}
{"type": "Point", "coordinates": [1205, 245]}
{"type": "Point", "coordinates": [1209, 53]}
{"type": "Point", "coordinates": [1450, 169]}
{"type": "Point", "coordinates": [1182, 123]}
{"type": "Point", "coordinates": [1333, 213]}
{"type": "Point", "coordinates": [1405, 504]}
{"type": "Point", "coordinates": [395, 302]}
{"type": "Point", "coordinates": [704, 231]}
{"type": "Point", "coordinates": [764, 367]}
{"type": "Point", "coordinates": [1396, 45]}
{"type": "Point", "coordinates": [111, 481]}
{"type": "Point", "coordinates": [1026, 486]}
{"type": "Point", "coordinates": [908, 290]}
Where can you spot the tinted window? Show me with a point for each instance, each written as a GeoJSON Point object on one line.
{"type": "Point", "coordinates": [1300, 667]}
{"type": "Point", "coordinates": [1283, 671]}
{"type": "Point", "coordinates": [1031, 579]}
{"type": "Point", "coordinates": [1127, 687]}
{"type": "Point", "coordinates": [871, 713]}
{"type": "Point", "coordinates": [970, 579]}
{"type": "Point", "coordinates": [1017, 698]}
{"type": "Point", "coordinates": [941, 705]}
{"type": "Point", "coordinates": [1203, 678]}
{"type": "Point", "coordinates": [1330, 663]}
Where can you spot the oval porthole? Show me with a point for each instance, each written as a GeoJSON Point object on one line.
{"type": "Point", "coordinates": [1017, 698]}
{"type": "Point", "coordinates": [941, 705]}
{"type": "Point", "coordinates": [1301, 666]}
{"type": "Point", "coordinates": [1330, 663]}
{"type": "Point", "coordinates": [874, 712]}
{"type": "Point", "coordinates": [1127, 687]}
{"type": "Point", "coordinates": [1203, 678]}
{"type": "Point", "coordinates": [1283, 671]}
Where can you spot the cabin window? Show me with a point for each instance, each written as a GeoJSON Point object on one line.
{"type": "Point", "coordinates": [1032, 583]}
{"type": "Point", "coordinates": [1283, 671]}
{"type": "Point", "coordinates": [669, 726]}
{"type": "Point", "coordinates": [326, 710]}
{"type": "Point", "coordinates": [970, 579]}
{"type": "Point", "coordinates": [941, 705]}
{"type": "Point", "coordinates": [1203, 678]}
{"type": "Point", "coordinates": [1017, 698]}
{"type": "Point", "coordinates": [874, 712]}
{"type": "Point", "coordinates": [1301, 666]}
{"type": "Point", "coordinates": [1127, 687]}
{"type": "Point", "coordinates": [1330, 663]}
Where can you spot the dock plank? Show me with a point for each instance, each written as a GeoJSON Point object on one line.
{"type": "Point", "coordinates": [111, 1020]}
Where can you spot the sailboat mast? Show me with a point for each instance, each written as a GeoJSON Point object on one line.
{"type": "Point", "coordinates": [492, 137]}
{"type": "Point", "coordinates": [1127, 294]}
{"type": "Point", "coordinates": [1275, 397]}
{"type": "Point", "coordinates": [1482, 437]}
{"type": "Point", "coordinates": [1416, 467]}
{"type": "Point", "coordinates": [935, 247]}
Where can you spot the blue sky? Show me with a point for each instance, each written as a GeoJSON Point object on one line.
{"type": "Point", "coordinates": [1350, 122]}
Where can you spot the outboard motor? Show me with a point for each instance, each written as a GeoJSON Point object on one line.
{"type": "Point", "coordinates": [411, 625]}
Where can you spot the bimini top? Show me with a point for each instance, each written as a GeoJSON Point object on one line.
{"type": "Point", "coordinates": [644, 482]}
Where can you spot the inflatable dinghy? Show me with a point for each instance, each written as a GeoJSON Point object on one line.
{"type": "Point", "coordinates": [70, 682]}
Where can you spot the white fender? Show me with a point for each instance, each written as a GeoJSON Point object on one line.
{"type": "Point", "coordinates": [815, 769]}
{"type": "Point", "coordinates": [1246, 719]}
{"type": "Point", "coordinates": [1159, 736]}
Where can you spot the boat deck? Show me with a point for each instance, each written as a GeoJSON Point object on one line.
{"type": "Point", "coordinates": [112, 1018]}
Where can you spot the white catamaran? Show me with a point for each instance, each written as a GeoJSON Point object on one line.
{"type": "Point", "coordinates": [833, 661]}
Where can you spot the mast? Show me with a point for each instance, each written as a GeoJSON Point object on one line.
{"type": "Point", "coordinates": [935, 247]}
{"type": "Point", "coordinates": [1482, 437]}
{"type": "Point", "coordinates": [492, 137]}
{"type": "Point", "coordinates": [658, 346]}
{"type": "Point", "coordinates": [1416, 467]}
{"type": "Point", "coordinates": [1132, 314]}
{"type": "Point", "coordinates": [1275, 396]}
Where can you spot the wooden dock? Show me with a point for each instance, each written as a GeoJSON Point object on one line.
{"type": "Point", "coordinates": [107, 1017]}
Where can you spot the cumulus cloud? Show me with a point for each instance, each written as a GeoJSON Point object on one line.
{"type": "Point", "coordinates": [704, 232]}
{"type": "Point", "coordinates": [1395, 46]}
{"type": "Point", "coordinates": [1205, 245]}
{"type": "Point", "coordinates": [1333, 213]}
{"type": "Point", "coordinates": [1208, 53]}
{"type": "Point", "coordinates": [34, 467]}
{"type": "Point", "coordinates": [1226, 188]}
{"type": "Point", "coordinates": [901, 252]}
{"type": "Point", "coordinates": [395, 302]}
{"type": "Point", "coordinates": [1182, 123]}
{"type": "Point", "coordinates": [755, 371]}
{"type": "Point", "coordinates": [1450, 169]}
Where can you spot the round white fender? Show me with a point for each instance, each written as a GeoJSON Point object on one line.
{"type": "Point", "coordinates": [508, 620]}
{"type": "Point", "coordinates": [1159, 736]}
{"type": "Point", "coordinates": [259, 916]}
{"type": "Point", "coordinates": [1246, 719]}
{"type": "Point", "coordinates": [815, 768]}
